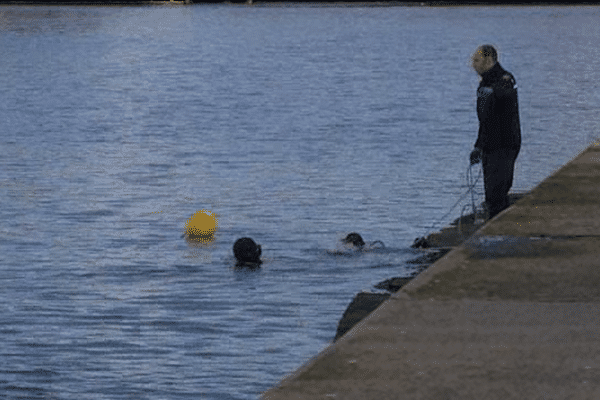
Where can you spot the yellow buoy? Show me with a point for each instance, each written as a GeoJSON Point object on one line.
{"type": "Point", "coordinates": [201, 226]}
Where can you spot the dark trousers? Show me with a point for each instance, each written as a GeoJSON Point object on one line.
{"type": "Point", "coordinates": [498, 171]}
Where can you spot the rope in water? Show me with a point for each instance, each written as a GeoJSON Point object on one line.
{"type": "Point", "coordinates": [471, 184]}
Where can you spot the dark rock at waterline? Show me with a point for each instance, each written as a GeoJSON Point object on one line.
{"type": "Point", "coordinates": [460, 229]}
{"type": "Point", "coordinates": [431, 257]}
{"type": "Point", "coordinates": [364, 303]}
{"type": "Point", "coordinates": [393, 284]}
{"type": "Point", "coordinates": [361, 306]}
{"type": "Point", "coordinates": [440, 244]}
{"type": "Point", "coordinates": [420, 243]}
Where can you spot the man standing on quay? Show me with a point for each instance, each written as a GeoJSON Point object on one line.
{"type": "Point", "coordinates": [499, 139]}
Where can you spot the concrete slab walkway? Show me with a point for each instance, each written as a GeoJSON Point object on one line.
{"type": "Point", "coordinates": [512, 313]}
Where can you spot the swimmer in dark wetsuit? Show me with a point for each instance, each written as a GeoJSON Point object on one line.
{"type": "Point", "coordinates": [247, 252]}
{"type": "Point", "coordinates": [356, 241]}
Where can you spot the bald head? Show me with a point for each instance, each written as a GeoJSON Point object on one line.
{"type": "Point", "coordinates": [484, 58]}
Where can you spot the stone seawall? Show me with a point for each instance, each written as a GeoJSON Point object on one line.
{"type": "Point", "coordinates": [435, 245]}
{"type": "Point", "coordinates": [513, 312]}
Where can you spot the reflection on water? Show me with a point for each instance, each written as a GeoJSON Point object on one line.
{"type": "Point", "coordinates": [295, 125]}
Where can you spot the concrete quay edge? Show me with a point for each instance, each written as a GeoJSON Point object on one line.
{"type": "Point", "coordinates": [512, 313]}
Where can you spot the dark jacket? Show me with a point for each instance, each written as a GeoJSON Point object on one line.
{"type": "Point", "coordinates": [498, 111]}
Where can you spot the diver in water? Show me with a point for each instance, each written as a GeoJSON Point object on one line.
{"type": "Point", "coordinates": [247, 252]}
{"type": "Point", "coordinates": [356, 242]}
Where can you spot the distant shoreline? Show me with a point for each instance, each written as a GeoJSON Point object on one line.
{"type": "Point", "coordinates": [282, 3]}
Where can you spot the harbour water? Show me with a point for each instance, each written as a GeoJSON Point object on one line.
{"type": "Point", "coordinates": [294, 124]}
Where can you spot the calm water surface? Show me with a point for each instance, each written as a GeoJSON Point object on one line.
{"type": "Point", "coordinates": [295, 125]}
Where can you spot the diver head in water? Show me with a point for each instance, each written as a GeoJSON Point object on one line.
{"type": "Point", "coordinates": [355, 240]}
{"type": "Point", "coordinates": [246, 251]}
{"type": "Point", "coordinates": [353, 243]}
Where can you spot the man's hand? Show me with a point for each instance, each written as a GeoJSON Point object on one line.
{"type": "Point", "coordinates": [475, 156]}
